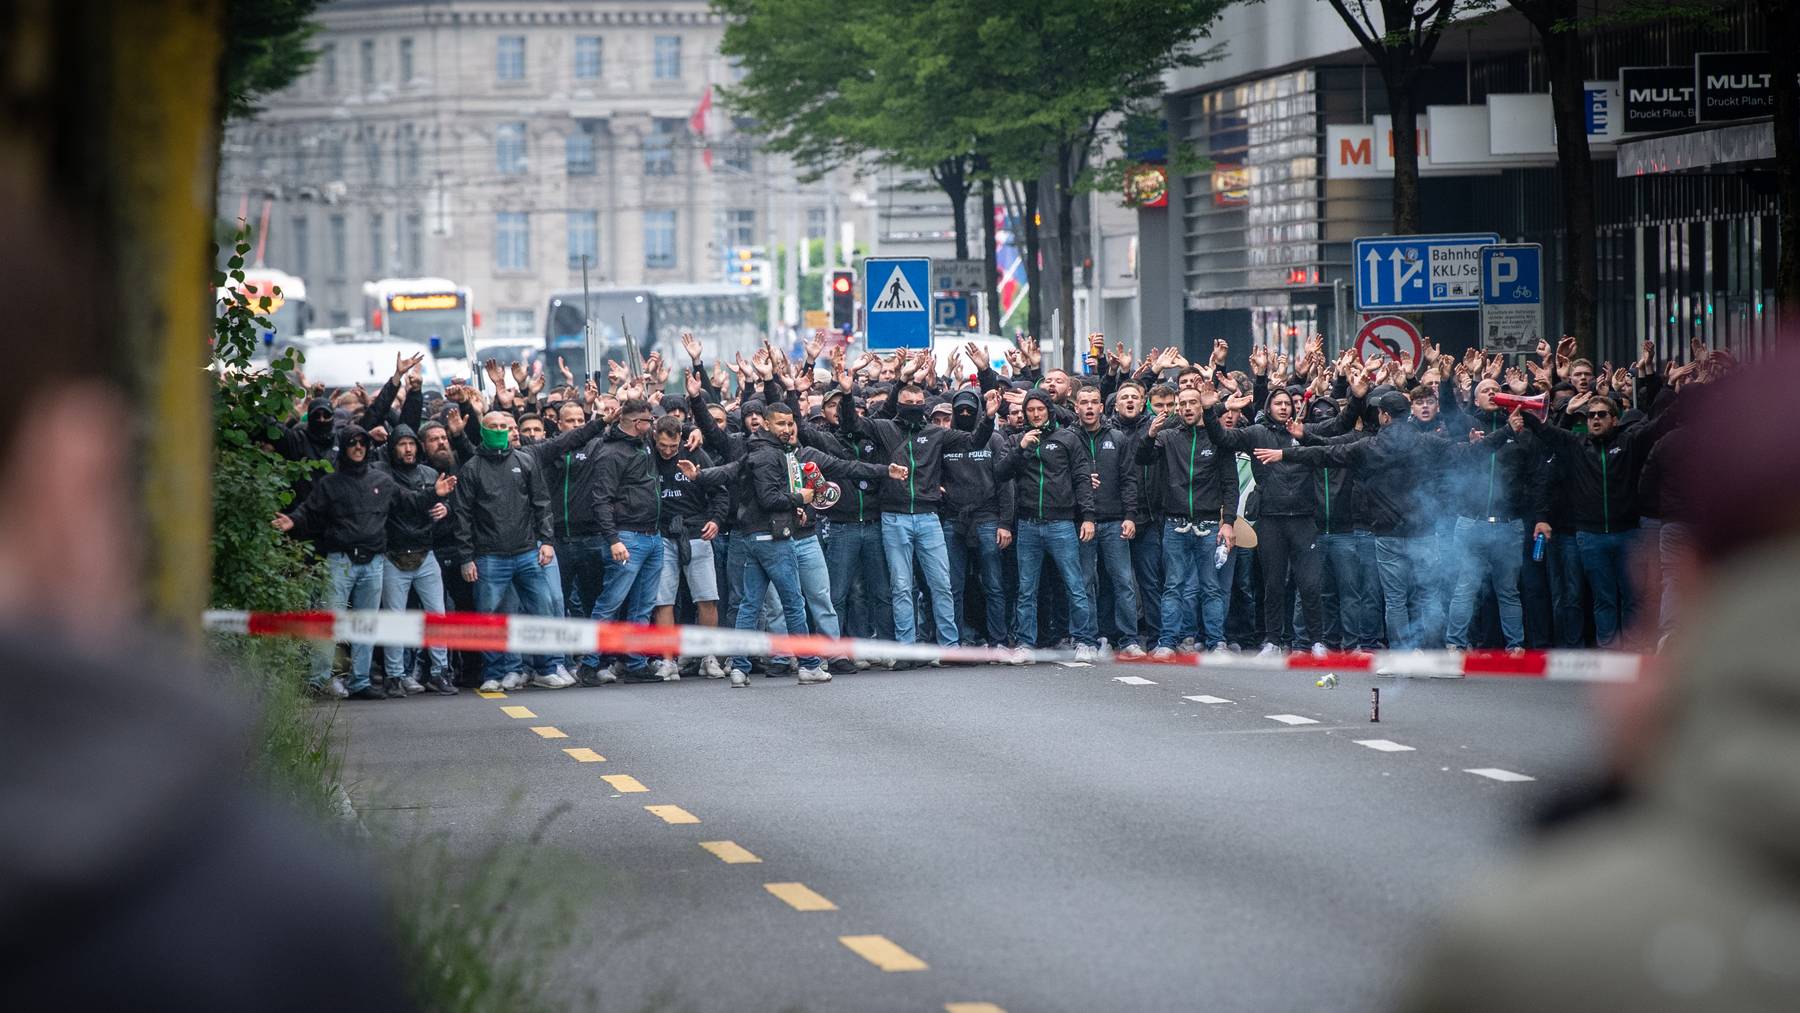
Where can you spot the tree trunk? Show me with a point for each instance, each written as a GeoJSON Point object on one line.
{"type": "Point", "coordinates": [1575, 172]}
{"type": "Point", "coordinates": [1406, 150]}
{"type": "Point", "coordinates": [142, 170]}
{"type": "Point", "coordinates": [1780, 20]}
{"type": "Point", "coordinates": [1065, 263]}
{"type": "Point", "coordinates": [952, 176]}
{"type": "Point", "coordinates": [990, 256]}
{"type": "Point", "coordinates": [1034, 274]}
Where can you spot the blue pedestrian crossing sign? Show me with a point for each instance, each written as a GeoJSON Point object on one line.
{"type": "Point", "coordinates": [898, 290]}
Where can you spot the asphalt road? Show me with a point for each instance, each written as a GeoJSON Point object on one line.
{"type": "Point", "coordinates": [1040, 838]}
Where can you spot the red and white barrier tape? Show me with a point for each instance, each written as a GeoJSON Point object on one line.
{"type": "Point", "coordinates": [481, 631]}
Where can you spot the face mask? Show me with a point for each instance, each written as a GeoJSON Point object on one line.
{"type": "Point", "coordinates": [319, 428]}
{"type": "Point", "coordinates": [912, 415]}
{"type": "Point", "coordinates": [493, 439]}
{"type": "Point", "coordinates": [964, 420]}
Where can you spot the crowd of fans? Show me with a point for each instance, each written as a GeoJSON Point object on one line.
{"type": "Point", "coordinates": [1156, 506]}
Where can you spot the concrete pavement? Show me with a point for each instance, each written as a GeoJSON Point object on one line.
{"type": "Point", "coordinates": [1041, 838]}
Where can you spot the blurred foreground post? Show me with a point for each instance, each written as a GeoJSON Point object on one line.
{"type": "Point", "coordinates": [112, 111]}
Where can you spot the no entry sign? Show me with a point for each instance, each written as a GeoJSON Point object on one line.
{"type": "Point", "coordinates": [1389, 338]}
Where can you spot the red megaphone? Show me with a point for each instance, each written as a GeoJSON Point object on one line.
{"type": "Point", "coordinates": [1534, 405]}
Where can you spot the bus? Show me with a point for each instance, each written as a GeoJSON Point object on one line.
{"type": "Point", "coordinates": [288, 309]}
{"type": "Point", "coordinates": [435, 312]}
{"type": "Point", "coordinates": [723, 317]}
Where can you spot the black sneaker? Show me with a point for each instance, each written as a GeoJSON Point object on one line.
{"type": "Point", "coordinates": [842, 666]}
{"type": "Point", "coordinates": [644, 674]}
{"type": "Point", "coordinates": [587, 675]}
{"type": "Point", "coordinates": [370, 692]}
{"type": "Point", "coordinates": [441, 686]}
{"type": "Point", "coordinates": [393, 689]}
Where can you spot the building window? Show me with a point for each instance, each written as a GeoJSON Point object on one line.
{"type": "Point", "coordinates": [587, 57]}
{"type": "Point", "coordinates": [666, 58]}
{"type": "Point", "coordinates": [509, 61]}
{"type": "Point", "coordinates": [368, 64]}
{"type": "Point", "coordinates": [406, 61]}
{"type": "Point", "coordinates": [659, 239]}
{"type": "Point", "coordinates": [328, 65]}
{"type": "Point", "coordinates": [415, 242]}
{"type": "Point", "coordinates": [509, 148]}
{"type": "Point", "coordinates": [340, 244]}
{"type": "Point", "coordinates": [372, 156]}
{"type": "Point", "coordinates": [578, 152]}
{"type": "Point", "coordinates": [659, 148]}
{"type": "Point", "coordinates": [409, 161]}
{"type": "Point", "coordinates": [584, 238]}
{"type": "Point", "coordinates": [512, 241]}
{"type": "Point", "coordinates": [514, 325]}
{"type": "Point", "coordinates": [737, 156]}
{"type": "Point", "coordinates": [740, 227]}
{"type": "Point", "coordinates": [302, 247]}
{"type": "Point", "coordinates": [377, 258]}
{"type": "Point", "coordinates": [334, 160]}
{"type": "Point", "coordinates": [815, 223]}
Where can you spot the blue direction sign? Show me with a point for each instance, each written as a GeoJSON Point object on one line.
{"type": "Point", "coordinates": [1512, 297]}
{"type": "Point", "coordinates": [898, 290]}
{"type": "Point", "coordinates": [1413, 273]}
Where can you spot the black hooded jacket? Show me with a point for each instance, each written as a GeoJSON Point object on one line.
{"type": "Point", "coordinates": [921, 447]}
{"type": "Point", "coordinates": [1598, 475]}
{"type": "Point", "coordinates": [687, 506]}
{"type": "Point", "coordinates": [973, 491]}
{"type": "Point", "coordinates": [1053, 477]}
{"type": "Point", "coordinates": [410, 528]}
{"type": "Point", "coordinates": [1392, 468]}
{"type": "Point", "coordinates": [1148, 505]}
{"type": "Point", "coordinates": [347, 510]}
{"type": "Point", "coordinates": [1285, 488]}
{"type": "Point", "coordinates": [627, 489]}
{"type": "Point", "coordinates": [1200, 481]}
{"type": "Point", "coordinates": [500, 507]}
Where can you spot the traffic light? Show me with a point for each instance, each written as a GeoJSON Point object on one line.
{"type": "Point", "coordinates": [843, 299]}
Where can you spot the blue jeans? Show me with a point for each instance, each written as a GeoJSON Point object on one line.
{"type": "Point", "coordinates": [1605, 562]}
{"type": "Point", "coordinates": [859, 579]}
{"type": "Point", "coordinates": [1401, 564]}
{"type": "Point", "coordinates": [1674, 549]}
{"type": "Point", "coordinates": [987, 561]}
{"type": "Point", "coordinates": [628, 589]}
{"type": "Point", "coordinates": [1351, 557]}
{"type": "Point", "coordinates": [1058, 540]}
{"type": "Point", "coordinates": [354, 586]}
{"type": "Point", "coordinates": [428, 583]}
{"type": "Point", "coordinates": [1110, 549]}
{"type": "Point", "coordinates": [815, 584]}
{"type": "Point", "coordinates": [1192, 586]}
{"type": "Point", "coordinates": [1566, 585]}
{"type": "Point", "coordinates": [768, 561]}
{"type": "Point", "coordinates": [1486, 552]}
{"type": "Point", "coordinates": [1147, 564]}
{"type": "Point", "coordinates": [904, 539]}
{"type": "Point", "coordinates": [521, 574]}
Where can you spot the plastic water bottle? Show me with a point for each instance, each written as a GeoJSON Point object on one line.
{"type": "Point", "coordinates": [1537, 548]}
{"type": "Point", "coordinates": [1329, 681]}
{"type": "Point", "coordinates": [1219, 557]}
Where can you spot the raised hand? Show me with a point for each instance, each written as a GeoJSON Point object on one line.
{"type": "Point", "coordinates": [1239, 402]}
{"type": "Point", "coordinates": [688, 468]}
{"type": "Point", "coordinates": [446, 484]}
{"type": "Point", "coordinates": [1296, 428]}
{"type": "Point", "coordinates": [692, 380]}
{"type": "Point", "coordinates": [694, 439]}
{"type": "Point", "coordinates": [1220, 351]}
{"type": "Point", "coordinates": [405, 364]}
{"type": "Point", "coordinates": [563, 368]}
{"type": "Point", "coordinates": [1034, 356]}
{"type": "Point", "coordinates": [494, 375]}
{"type": "Point", "coordinates": [976, 358]}
{"type": "Point", "coordinates": [1259, 361]}
{"type": "Point", "coordinates": [1265, 455]}
{"type": "Point", "coordinates": [1429, 353]}
{"type": "Point", "coordinates": [518, 375]}
{"type": "Point", "coordinates": [1645, 358]}
{"type": "Point", "coordinates": [454, 423]}
{"type": "Point", "coordinates": [816, 345]}
{"type": "Point", "coordinates": [691, 345]}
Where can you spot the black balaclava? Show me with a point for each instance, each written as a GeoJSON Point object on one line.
{"type": "Point", "coordinates": [965, 410]}
{"type": "Point", "coordinates": [912, 416]}
{"type": "Point", "coordinates": [320, 417]}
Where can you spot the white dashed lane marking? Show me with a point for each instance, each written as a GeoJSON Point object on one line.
{"type": "Point", "coordinates": [1384, 745]}
{"type": "Point", "coordinates": [1133, 680]}
{"type": "Point", "coordinates": [1290, 719]}
{"type": "Point", "coordinates": [1497, 774]}
{"type": "Point", "coordinates": [1203, 698]}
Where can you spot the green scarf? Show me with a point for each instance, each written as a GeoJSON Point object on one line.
{"type": "Point", "coordinates": [494, 439]}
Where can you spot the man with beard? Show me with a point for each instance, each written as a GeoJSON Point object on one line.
{"type": "Point", "coordinates": [1199, 502]}
{"type": "Point", "coordinates": [1115, 482]}
{"type": "Point", "coordinates": [978, 516]}
{"type": "Point", "coordinates": [501, 516]}
{"type": "Point", "coordinates": [1133, 422]}
{"type": "Point", "coordinates": [411, 567]}
{"type": "Point", "coordinates": [1055, 496]}
{"type": "Point", "coordinates": [627, 504]}
{"type": "Point", "coordinates": [459, 594]}
{"type": "Point", "coordinates": [346, 513]}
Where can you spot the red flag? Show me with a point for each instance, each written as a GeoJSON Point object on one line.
{"type": "Point", "coordinates": [699, 124]}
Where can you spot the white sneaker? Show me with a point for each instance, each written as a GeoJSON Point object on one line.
{"type": "Point", "coordinates": [1223, 651]}
{"type": "Point", "coordinates": [1020, 656]}
{"type": "Point", "coordinates": [1269, 650]}
{"type": "Point", "coordinates": [1131, 653]}
{"type": "Point", "coordinates": [1163, 653]}
{"type": "Point", "coordinates": [812, 675]}
{"type": "Point", "coordinates": [490, 686]}
{"type": "Point", "coordinates": [862, 665]}
{"type": "Point", "coordinates": [544, 680]}
{"type": "Point", "coordinates": [1085, 652]}
{"type": "Point", "coordinates": [1320, 650]}
{"type": "Point", "coordinates": [668, 670]}
{"type": "Point", "coordinates": [710, 668]}
{"type": "Point", "coordinates": [739, 679]}
{"type": "Point", "coordinates": [609, 674]}
{"type": "Point", "coordinates": [512, 680]}
{"type": "Point", "coordinates": [560, 673]}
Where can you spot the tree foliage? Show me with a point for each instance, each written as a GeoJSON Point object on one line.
{"type": "Point", "coordinates": [267, 47]}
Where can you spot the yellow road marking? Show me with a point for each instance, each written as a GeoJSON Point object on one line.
{"type": "Point", "coordinates": [550, 732]}
{"type": "Point", "coordinates": [585, 755]}
{"type": "Point", "coordinates": [881, 952]}
{"type": "Point", "coordinates": [972, 1007]}
{"type": "Point", "coordinates": [625, 782]}
{"type": "Point", "coordinates": [729, 852]}
{"type": "Point", "coordinates": [517, 712]}
{"type": "Point", "coordinates": [673, 814]}
{"type": "Point", "coordinates": [490, 696]}
{"type": "Point", "coordinates": [799, 897]}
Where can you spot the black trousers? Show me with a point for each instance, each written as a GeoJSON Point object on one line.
{"type": "Point", "coordinates": [1285, 544]}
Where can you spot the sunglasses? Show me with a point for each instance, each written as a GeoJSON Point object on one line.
{"type": "Point", "coordinates": [1600, 415]}
{"type": "Point", "coordinates": [357, 441]}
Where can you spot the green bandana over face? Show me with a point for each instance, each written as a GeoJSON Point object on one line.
{"type": "Point", "coordinates": [493, 439]}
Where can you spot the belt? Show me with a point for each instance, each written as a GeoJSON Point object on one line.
{"type": "Point", "coordinates": [641, 531]}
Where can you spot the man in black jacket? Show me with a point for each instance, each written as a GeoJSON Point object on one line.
{"type": "Point", "coordinates": [411, 568]}
{"type": "Point", "coordinates": [1497, 497]}
{"type": "Point", "coordinates": [852, 531]}
{"type": "Point", "coordinates": [1115, 482]}
{"type": "Point", "coordinates": [501, 518]}
{"type": "Point", "coordinates": [691, 518]}
{"type": "Point", "coordinates": [978, 519]}
{"type": "Point", "coordinates": [1199, 502]}
{"type": "Point", "coordinates": [627, 505]}
{"type": "Point", "coordinates": [346, 513]}
{"type": "Point", "coordinates": [1132, 418]}
{"type": "Point", "coordinates": [1055, 496]}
